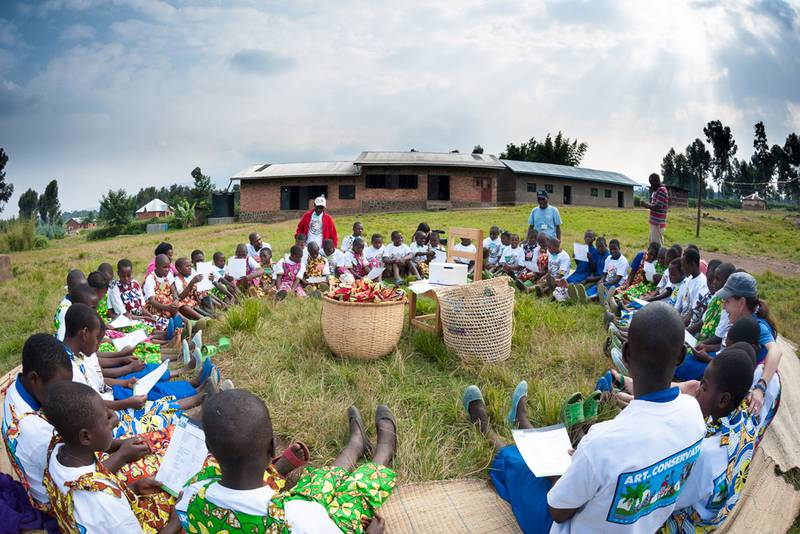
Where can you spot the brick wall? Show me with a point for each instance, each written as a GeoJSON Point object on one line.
{"type": "Point", "coordinates": [581, 192]}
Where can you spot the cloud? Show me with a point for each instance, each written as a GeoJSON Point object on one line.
{"type": "Point", "coordinates": [9, 33]}
{"type": "Point", "coordinates": [254, 61]}
{"type": "Point", "coordinates": [78, 32]}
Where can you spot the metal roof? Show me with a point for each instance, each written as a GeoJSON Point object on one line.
{"type": "Point", "coordinates": [289, 170]}
{"type": "Point", "coordinates": [566, 171]}
{"type": "Point", "coordinates": [438, 159]}
{"type": "Point", "coordinates": [154, 205]}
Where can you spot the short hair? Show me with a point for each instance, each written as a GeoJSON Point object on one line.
{"type": "Point", "coordinates": [218, 255]}
{"type": "Point", "coordinates": [296, 250]}
{"type": "Point", "coordinates": [327, 241]}
{"type": "Point", "coordinates": [357, 222]}
{"type": "Point", "coordinates": [44, 355]}
{"type": "Point", "coordinates": [97, 280]}
{"type": "Point", "coordinates": [162, 259]}
{"type": "Point", "coordinates": [124, 264]}
{"type": "Point", "coordinates": [713, 265]}
{"type": "Point", "coordinates": [692, 246]}
{"type": "Point", "coordinates": [395, 233]}
{"type": "Point", "coordinates": [180, 262]}
{"type": "Point", "coordinates": [162, 248]}
{"type": "Point", "coordinates": [82, 294]}
{"type": "Point", "coordinates": [376, 236]}
{"type": "Point", "coordinates": [734, 368]}
{"type": "Point", "coordinates": [71, 407]}
{"type": "Point", "coordinates": [80, 316]}
{"type": "Point", "coordinates": [514, 235]}
{"type": "Point", "coordinates": [692, 256]}
{"type": "Point", "coordinates": [196, 252]}
{"type": "Point", "coordinates": [614, 242]}
{"type": "Point", "coordinates": [505, 233]}
{"type": "Point", "coordinates": [725, 269]}
{"type": "Point", "coordinates": [678, 250]}
{"type": "Point", "coordinates": [234, 421]}
{"type": "Point", "coordinates": [746, 329]}
{"type": "Point", "coordinates": [357, 241]}
{"type": "Point", "coordinates": [106, 269]}
{"type": "Point", "coordinates": [310, 245]}
{"type": "Point", "coordinates": [655, 339]}
{"type": "Point", "coordinates": [676, 264]}
{"type": "Point", "coordinates": [654, 245]}
{"type": "Point", "coordinates": [654, 176]}
{"type": "Point", "coordinates": [252, 236]}
{"type": "Point", "coordinates": [600, 239]}
{"type": "Point", "coordinates": [75, 278]}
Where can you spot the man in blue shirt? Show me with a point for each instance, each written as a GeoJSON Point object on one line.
{"type": "Point", "coordinates": [545, 218]}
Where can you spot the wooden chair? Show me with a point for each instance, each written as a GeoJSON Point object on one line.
{"type": "Point", "coordinates": [431, 322]}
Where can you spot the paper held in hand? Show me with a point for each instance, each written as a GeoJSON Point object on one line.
{"type": "Point", "coordinates": [689, 339]}
{"type": "Point", "coordinates": [143, 386]}
{"type": "Point", "coordinates": [205, 268]}
{"type": "Point", "coordinates": [316, 279]}
{"type": "Point", "coordinates": [122, 321]}
{"type": "Point", "coordinates": [237, 268]}
{"type": "Point", "coordinates": [130, 340]}
{"type": "Point", "coordinates": [185, 456]}
{"type": "Point", "coordinates": [641, 302]}
{"type": "Point", "coordinates": [544, 449]}
{"type": "Point", "coordinates": [580, 252]}
{"type": "Point", "coordinates": [375, 273]}
{"type": "Point", "coordinates": [649, 270]}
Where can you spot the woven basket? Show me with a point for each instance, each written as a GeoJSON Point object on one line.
{"type": "Point", "coordinates": [359, 330]}
{"type": "Point", "coordinates": [478, 319]}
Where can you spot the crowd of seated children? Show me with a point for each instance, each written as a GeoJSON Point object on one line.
{"type": "Point", "coordinates": [585, 268]}
{"type": "Point", "coordinates": [615, 268]}
{"type": "Point", "coordinates": [492, 247]}
{"type": "Point", "coordinates": [422, 252]}
{"type": "Point", "coordinates": [220, 295]}
{"type": "Point", "coordinates": [399, 260]}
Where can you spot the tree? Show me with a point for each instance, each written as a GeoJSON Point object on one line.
{"type": "Point", "coordinates": [116, 208]}
{"type": "Point", "coordinates": [477, 149]}
{"type": "Point", "coordinates": [6, 190]}
{"type": "Point", "coordinates": [27, 204]}
{"type": "Point", "coordinates": [201, 194]}
{"type": "Point", "coordinates": [763, 161]}
{"type": "Point", "coordinates": [49, 207]}
{"type": "Point", "coordinates": [699, 160]}
{"type": "Point", "coordinates": [789, 168]}
{"type": "Point", "coordinates": [724, 148]}
{"type": "Point", "coordinates": [559, 150]}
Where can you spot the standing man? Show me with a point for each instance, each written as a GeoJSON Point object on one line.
{"type": "Point", "coordinates": [659, 203]}
{"type": "Point", "coordinates": [545, 218]}
{"type": "Point", "coordinates": [317, 225]}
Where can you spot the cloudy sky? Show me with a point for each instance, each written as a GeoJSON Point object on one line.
{"type": "Point", "coordinates": [127, 93]}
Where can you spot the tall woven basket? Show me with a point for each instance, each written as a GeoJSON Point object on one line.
{"type": "Point", "coordinates": [478, 319]}
{"type": "Point", "coordinates": [359, 330]}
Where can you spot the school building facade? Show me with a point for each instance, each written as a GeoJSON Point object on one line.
{"type": "Point", "coordinates": [405, 181]}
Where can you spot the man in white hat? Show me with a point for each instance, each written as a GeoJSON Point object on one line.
{"type": "Point", "coordinates": [317, 225]}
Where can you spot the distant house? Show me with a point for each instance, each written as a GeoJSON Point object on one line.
{"type": "Point", "coordinates": [678, 196]}
{"type": "Point", "coordinates": [154, 208]}
{"type": "Point", "coordinates": [403, 181]}
{"type": "Point", "coordinates": [754, 202]}
{"type": "Point", "coordinates": [76, 224]}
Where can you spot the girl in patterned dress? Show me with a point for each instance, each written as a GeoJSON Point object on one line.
{"type": "Point", "coordinates": [289, 272]}
{"type": "Point", "coordinates": [334, 499]}
{"type": "Point", "coordinates": [355, 260]}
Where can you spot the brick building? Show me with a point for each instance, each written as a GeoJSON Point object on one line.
{"type": "Point", "coordinates": [76, 224]}
{"type": "Point", "coordinates": [402, 181]}
{"type": "Point", "coordinates": [154, 208]}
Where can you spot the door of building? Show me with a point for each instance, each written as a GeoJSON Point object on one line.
{"type": "Point", "coordinates": [567, 194]}
{"type": "Point", "coordinates": [620, 199]}
{"type": "Point", "coordinates": [486, 189]}
{"type": "Point", "coordinates": [438, 188]}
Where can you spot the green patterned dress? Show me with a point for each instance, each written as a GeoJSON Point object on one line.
{"type": "Point", "coordinates": [147, 352]}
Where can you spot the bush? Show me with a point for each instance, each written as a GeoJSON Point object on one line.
{"type": "Point", "coordinates": [103, 232]}
{"type": "Point", "coordinates": [132, 228]}
{"type": "Point", "coordinates": [17, 235]}
{"type": "Point", "coordinates": [50, 231]}
{"type": "Point", "coordinates": [40, 241]}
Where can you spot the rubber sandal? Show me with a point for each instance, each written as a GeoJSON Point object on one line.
{"type": "Point", "coordinates": [209, 351]}
{"type": "Point", "coordinates": [223, 344]}
{"type": "Point", "coordinates": [582, 294]}
{"type": "Point", "coordinates": [187, 355]}
{"type": "Point", "coordinates": [470, 395]}
{"type": "Point", "coordinates": [572, 291]}
{"type": "Point", "coordinates": [605, 384]}
{"type": "Point", "coordinates": [198, 360]}
{"type": "Point", "coordinates": [289, 455]}
{"type": "Point", "coordinates": [590, 407]}
{"type": "Point", "coordinates": [601, 292]}
{"type": "Point", "coordinates": [572, 411]}
{"type": "Point", "coordinates": [616, 357]}
{"type": "Point", "coordinates": [519, 392]}
{"type": "Point", "coordinates": [207, 369]}
{"type": "Point", "coordinates": [354, 414]}
{"type": "Point", "coordinates": [197, 339]}
{"type": "Point", "coordinates": [616, 342]}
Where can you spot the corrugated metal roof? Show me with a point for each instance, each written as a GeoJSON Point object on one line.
{"type": "Point", "coordinates": [566, 171]}
{"type": "Point", "coordinates": [446, 159]}
{"type": "Point", "coordinates": [154, 205]}
{"type": "Point", "coordinates": [288, 170]}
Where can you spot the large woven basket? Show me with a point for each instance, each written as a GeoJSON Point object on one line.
{"type": "Point", "coordinates": [359, 330]}
{"type": "Point", "coordinates": [478, 319]}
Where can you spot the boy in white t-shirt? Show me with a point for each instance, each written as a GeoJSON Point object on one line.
{"type": "Point", "coordinates": [347, 242]}
{"type": "Point", "coordinates": [335, 257]}
{"type": "Point", "coordinates": [558, 268]}
{"type": "Point", "coordinates": [492, 247]}
{"type": "Point", "coordinates": [399, 260]}
{"type": "Point", "coordinates": [614, 271]}
{"type": "Point", "coordinates": [422, 252]}
{"type": "Point", "coordinates": [694, 287]}
{"type": "Point", "coordinates": [465, 245]}
{"type": "Point", "coordinates": [512, 257]}
{"type": "Point", "coordinates": [439, 253]}
{"type": "Point", "coordinates": [627, 473]}
{"type": "Point", "coordinates": [374, 253]}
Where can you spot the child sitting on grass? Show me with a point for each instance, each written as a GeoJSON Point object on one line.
{"type": "Point", "coordinates": [399, 260]}
{"type": "Point", "coordinates": [422, 252]}
{"type": "Point", "coordinates": [511, 257]}
{"type": "Point", "coordinates": [614, 271]}
{"type": "Point", "coordinates": [374, 253]}
{"type": "Point", "coordinates": [85, 496]}
{"type": "Point", "coordinates": [347, 242]}
{"type": "Point", "coordinates": [599, 266]}
{"type": "Point", "coordinates": [555, 277]}
{"type": "Point", "coordinates": [75, 278]}
{"type": "Point", "coordinates": [465, 245]}
{"type": "Point", "coordinates": [252, 271]}
{"type": "Point", "coordinates": [185, 285]}
{"type": "Point", "coordinates": [335, 257]}
{"type": "Point", "coordinates": [339, 498]}
{"type": "Point", "coordinates": [439, 253]}
{"type": "Point", "coordinates": [127, 298]}
{"type": "Point", "coordinates": [492, 248]}
{"type": "Point", "coordinates": [221, 282]}
{"type": "Point", "coordinates": [289, 274]}
{"type": "Point", "coordinates": [637, 283]}
{"type": "Point", "coordinates": [655, 442]}
{"type": "Point", "coordinates": [266, 282]}
{"type": "Point", "coordinates": [584, 268]}
{"type": "Point", "coordinates": [159, 293]}
{"type": "Point", "coordinates": [355, 260]}
{"type": "Point", "coordinates": [316, 266]}
{"type": "Point", "coordinates": [218, 298]}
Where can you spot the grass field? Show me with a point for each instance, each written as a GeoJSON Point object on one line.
{"type": "Point", "coordinates": [279, 353]}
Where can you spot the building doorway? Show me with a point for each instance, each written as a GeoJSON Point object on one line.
{"type": "Point", "coordinates": [620, 199]}
{"type": "Point", "coordinates": [567, 194]}
{"type": "Point", "coordinates": [486, 189]}
{"type": "Point", "coordinates": [438, 188]}
{"type": "Point", "coordinates": [297, 197]}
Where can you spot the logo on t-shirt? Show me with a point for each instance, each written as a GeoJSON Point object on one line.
{"type": "Point", "coordinates": [640, 492]}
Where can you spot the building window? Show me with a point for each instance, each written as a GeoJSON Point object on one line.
{"type": "Point", "coordinates": [608, 193]}
{"type": "Point", "coordinates": [548, 188]}
{"type": "Point", "coordinates": [391, 181]}
{"type": "Point", "coordinates": [347, 192]}
{"type": "Point", "coordinates": [594, 192]}
{"type": "Point", "coordinates": [531, 187]}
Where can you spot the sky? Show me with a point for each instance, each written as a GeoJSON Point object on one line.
{"type": "Point", "coordinates": [109, 94]}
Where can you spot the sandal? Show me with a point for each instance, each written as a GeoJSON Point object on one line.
{"type": "Point", "coordinates": [572, 291]}
{"type": "Point", "coordinates": [520, 392]}
{"type": "Point", "coordinates": [470, 395]}
{"type": "Point", "coordinates": [208, 351]}
{"type": "Point", "coordinates": [582, 294]}
{"type": "Point", "coordinates": [289, 455]}
{"type": "Point", "coordinates": [572, 411]}
{"type": "Point", "coordinates": [609, 383]}
{"type": "Point", "coordinates": [187, 355]}
{"type": "Point", "coordinates": [616, 357]}
{"type": "Point", "coordinates": [197, 339]}
{"type": "Point", "coordinates": [383, 412]}
{"type": "Point", "coordinates": [354, 414]}
{"type": "Point", "coordinates": [224, 344]}
{"type": "Point", "coordinates": [591, 406]}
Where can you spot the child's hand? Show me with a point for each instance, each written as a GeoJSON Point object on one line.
{"type": "Point", "coordinates": [129, 382]}
{"type": "Point", "coordinates": [376, 525]}
{"type": "Point", "coordinates": [197, 279]}
{"type": "Point", "coordinates": [127, 351]}
{"type": "Point", "coordinates": [133, 449]}
{"type": "Point", "coordinates": [136, 402]}
{"type": "Point", "coordinates": [136, 365]}
{"type": "Point", "coordinates": [145, 486]}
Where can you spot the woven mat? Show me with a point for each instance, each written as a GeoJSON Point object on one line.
{"type": "Point", "coordinates": [781, 440]}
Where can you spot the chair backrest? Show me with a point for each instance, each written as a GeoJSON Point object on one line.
{"type": "Point", "coordinates": [454, 237]}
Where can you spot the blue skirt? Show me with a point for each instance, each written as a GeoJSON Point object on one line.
{"type": "Point", "coordinates": [180, 389]}
{"type": "Point", "coordinates": [527, 495]}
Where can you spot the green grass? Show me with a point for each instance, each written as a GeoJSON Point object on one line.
{"type": "Point", "coordinates": [278, 351]}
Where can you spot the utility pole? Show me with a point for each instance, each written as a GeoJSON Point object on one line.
{"type": "Point", "coordinates": [699, 201]}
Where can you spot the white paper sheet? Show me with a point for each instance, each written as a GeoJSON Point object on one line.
{"type": "Point", "coordinates": [316, 279]}
{"type": "Point", "coordinates": [544, 449]}
{"type": "Point", "coordinates": [185, 455]}
{"type": "Point", "coordinates": [375, 273]}
{"type": "Point", "coordinates": [580, 252]}
{"type": "Point", "coordinates": [122, 321]}
{"type": "Point", "coordinates": [641, 302]}
{"type": "Point", "coordinates": [649, 270]}
{"type": "Point", "coordinates": [146, 383]}
{"type": "Point", "coordinates": [205, 268]}
{"type": "Point", "coordinates": [689, 339]}
{"type": "Point", "coordinates": [130, 340]}
{"type": "Point", "coordinates": [237, 268]}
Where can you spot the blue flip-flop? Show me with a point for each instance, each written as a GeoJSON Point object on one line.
{"type": "Point", "coordinates": [605, 382]}
{"type": "Point", "coordinates": [208, 368]}
{"type": "Point", "coordinates": [471, 394]}
{"type": "Point", "coordinates": [520, 391]}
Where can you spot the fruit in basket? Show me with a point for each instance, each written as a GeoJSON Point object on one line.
{"type": "Point", "coordinates": [365, 291]}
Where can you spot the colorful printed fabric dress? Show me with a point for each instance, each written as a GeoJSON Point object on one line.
{"type": "Point", "coordinates": [133, 299]}
{"type": "Point", "coordinates": [711, 318]}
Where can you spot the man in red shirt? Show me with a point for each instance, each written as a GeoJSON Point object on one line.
{"type": "Point", "coordinates": [317, 225]}
{"type": "Point", "coordinates": [659, 203]}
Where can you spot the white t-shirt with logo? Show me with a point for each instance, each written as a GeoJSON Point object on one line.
{"type": "Point", "coordinates": [374, 255]}
{"type": "Point", "coordinates": [627, 473]}
{"type": "Point", "coordinates": [512, 256]}
{"type": "Point", "coordinates": [613, 268]}
{"type": "Point", "coordinates": [691, 291]}
{"type": "Point", "coordinates": [395, 252]}
{"type": "Point", "coordinates": [335, 259]}
{"type": "Point", "coordinates": [529, 259]}
{"type": "Point", "coordinates": [458, 247]}
{"type": "Point", "coordinates": [495, 247]}
{"type": "Point", "coordinates": [423, 249]}
{"type": "Point", "coordinates": [315, 229]}
{"type": "Point", "coordinates": [558, 264]}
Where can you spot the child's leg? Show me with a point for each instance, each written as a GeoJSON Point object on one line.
{"type": "Point", "coordinates": [189, 312]}
{"type": "Point", "coordinates": [479, 417]}
{"type": "Point", "coordinates": [386, 426]}
{"type": "Point", "coordinates": [356, 444]}
{"type": "Point", "coordinates": [396, 271]}
{"type": "Point", "coordinates": [411, 267]}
